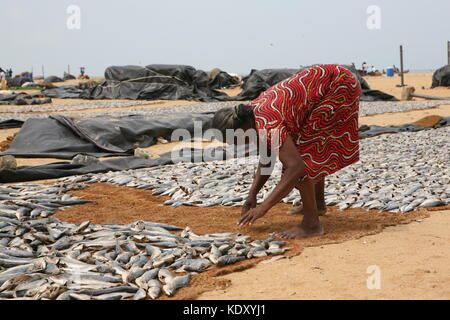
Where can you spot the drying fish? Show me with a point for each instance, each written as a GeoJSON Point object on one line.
{"type": "Point", "coordinates": [164, 275]}
{"type": "Point", "coordinates": [195, 265]}
{"type": "Point", "coordinates": [227, 259]}
{"type": "Point", "coordinates": [114, 296]}
{"type": "Point", "coordinates": [45, 258]}
{"type": "Point", "coordinates": [176, 283]}
{"type": "Point", "coordinates": [140, 294]}
{"type": "Point", "coordinates": [154, 289]}
{"type": "Point", "coordinates": [431, 203]}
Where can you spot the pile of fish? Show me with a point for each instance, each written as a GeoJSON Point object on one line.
{"type": "Point", "coordinates": [50, 259]}
{"type": "Point", "coordinates": [378, 107]}
{"type": "Point", "coordinates": [366, 108]}
{"type": "Point", "coordinates": [396, 173]}
{"type": "Point", "coordinates": [32, 201]}
{"type": "Point", "coordinates": [70, 106]}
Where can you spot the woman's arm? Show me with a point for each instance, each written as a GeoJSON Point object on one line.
{"type": "Point", "coordinates": [294, 169]}
{"type": "Point", "coordinates": [259, 180]}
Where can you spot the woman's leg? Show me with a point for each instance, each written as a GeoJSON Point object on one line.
{"type": "Point", "coordinates": [310, 225]}
{"type": "Point", "coordinates": [320, 196]}
{"type": "Point", "coordinates": [320, 199]}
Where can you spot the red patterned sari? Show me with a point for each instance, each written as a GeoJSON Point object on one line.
{"type": "Point", "coordinates": [318, 108]}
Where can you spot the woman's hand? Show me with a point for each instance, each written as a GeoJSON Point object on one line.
{"type": "Point", "coordinates": [251, 215]}
{"type": "Point", "coordinates": [250, 203]}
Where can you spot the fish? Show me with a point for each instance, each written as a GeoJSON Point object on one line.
{"type": "Point", "coordinates": [134, 273]}
{"type": "Point", "coordinates": [138, 260]}
{"type": "Point", "coordinates": [173, 284]}
{"type": "Point", "coordinates": [17, 253]}
{"type": "Point", "coordinates": [166, 244]}
{"type": "Point", "coordinates": [124, 257]}
{"type": "Point", "coordinates": [257, 253]}
{"type": "Point", "coordinates": [154, 289]}
{"type": "Point", "coordinates": [148, 275]}
{"type": "Point", "coordinates": [67, 261]}
{"type": "Point", "coordinates": [118, 270]}
{"type": "Point", "coordinates": [163, 260]}
{"type": "Point", "coordinates": [14, 262]}
{"type": "Point", "coordinates": [21, 289]}
{"type": "Point", "coordinates": [431, 203]}
{"type": "Point", "coordinates": [131, 247]}
{"type": "Point", "coordinates": [78, 296]}
{"type": "Point", "coordinates": [35, 266]}
{"type": "Point", "coordinates": [114, 296]}
{"type": "Point", "coordinates": [164, 275]}
{"type": "Point", "coordinates": [195, 265]}
{"type": "Point", "coordinates": [140, 294]}
{"type": "Point", "coordinates": [227, 259]}
{"type": "Point", "coordinates": [81, 227]}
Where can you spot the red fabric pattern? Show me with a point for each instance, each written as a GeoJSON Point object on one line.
{"type": "Point", "coordinates": [318, 108]}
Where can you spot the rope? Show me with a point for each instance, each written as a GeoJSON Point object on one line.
{"type": "Point", "coordinates": [158, 75]}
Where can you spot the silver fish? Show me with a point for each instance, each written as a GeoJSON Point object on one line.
{"type": "Point", "coordinates": [226, 260]}
{"type": "Point", "coordinates": [176, 283]}
{"type": "Point", "coordinates": [164, 275]}
{"type": "Point", "coordinates": [154, 289]}
{"type": "Point", "coordinates": [140, 294]}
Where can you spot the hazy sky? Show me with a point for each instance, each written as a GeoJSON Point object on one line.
{"type": "Point", "coordinates": [234, 35]}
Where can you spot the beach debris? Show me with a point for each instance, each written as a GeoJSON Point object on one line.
{"type": "Point", "coordinates": [408, 94]}
{"type": "Point", "coordinates": [162, 140]}
{"type": "Point", "coordinates": [8, 162]}
{"type": "Point", "coordinates": [84, 159]}
{"type": "Point", "coordinates": [144, 154]}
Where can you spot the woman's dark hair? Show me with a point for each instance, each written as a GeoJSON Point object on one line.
{"type": "Point", "coordinates": [232, 118]}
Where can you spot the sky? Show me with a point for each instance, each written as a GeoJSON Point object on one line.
{"type": "Point", "coordinates": [233, 35]}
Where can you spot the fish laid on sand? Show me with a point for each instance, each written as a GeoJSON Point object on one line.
{"type": "Point", "coordinates": [397, 173]}
{"type": "Point", "coordinates": [46, 258]}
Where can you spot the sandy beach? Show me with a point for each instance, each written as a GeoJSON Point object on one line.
{"type": "Point", "coordinates": [412, 259]}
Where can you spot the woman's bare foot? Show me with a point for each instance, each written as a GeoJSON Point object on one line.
{"type": "Point", "coordinates": [302, 231]}
{"type": "Point", "coordinates": [299, 210]}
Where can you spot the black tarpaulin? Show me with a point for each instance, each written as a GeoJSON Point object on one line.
{"type": "Point", "coordinates": [154, 82]}
{"type": "Point", "coordinates": [53, 79]}
{"type": "Point", "coordinates": [376, 95]}
{"type": "Point", "coordinates": [375, 130]}
{"type": "Point", "coordinates": [63, 92]}
{"type": "Point", "coordinates": [21, 98]}
{"type": "Point", "coordinates": [64, 169]}
{"type": "Point", "coordinates": [188, 74]}
{"type": "Point", "coordinates": [48, 138]}
{"type": "Point", "coordinates": [441, 77]}
{"type": "Point", "coordinates": [63, 137]}
{"type": "Point", "coordinates": [68, 76]}
{"type": "Point", "coordinates": [223, 80]}
{"type": "Point", "coordinates": [17, 81]}
{"type": "Point", "coordinates": [260, 80]}
{"type": "Point", "coordinates": [11, 123]}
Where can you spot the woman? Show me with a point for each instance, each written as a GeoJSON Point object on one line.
{"type": "Point", "coordinates": [311, 121]}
